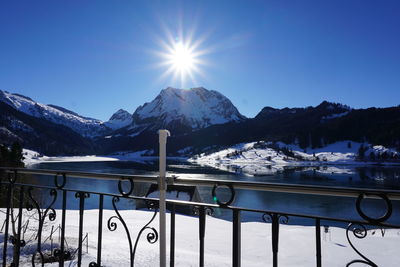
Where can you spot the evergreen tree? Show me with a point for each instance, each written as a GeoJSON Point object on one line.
{"type": "Point", "coordinates": [11, 157]}
{"type": "Point", "coordinates": [16, 153]}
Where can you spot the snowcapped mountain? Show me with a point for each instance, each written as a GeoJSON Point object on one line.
{"type": "Point", "coordinates": [186, 110]}
{"type": "Point", "coordinates": [119, 119]}
{"type": "Point", "coordinates": [86, 127]}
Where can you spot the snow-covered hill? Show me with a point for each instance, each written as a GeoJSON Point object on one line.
{"type": "Point", "coordinates": [87, 127]}
{"type": "Point", "coordinates": [264, 158]}
{"type": "Point", "coordinates": [119, 119]}
{"type": "Point", "coordinates": [192, 109]}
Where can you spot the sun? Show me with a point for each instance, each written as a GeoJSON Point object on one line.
{"type": "Point", "coordinates": [182, 60]}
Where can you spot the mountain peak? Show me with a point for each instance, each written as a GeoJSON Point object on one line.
{"type": "Point", "coordinates": [189, 108]}
{"type": "Point", "coordinates": [119, 119]}
{"type": "Point", "coordinates": [333, 106]}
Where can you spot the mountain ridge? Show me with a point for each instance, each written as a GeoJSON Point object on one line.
{"type": "Point", "coordinates": [87, 127]}
{"type": "Point", "coordinates": [316, 126]}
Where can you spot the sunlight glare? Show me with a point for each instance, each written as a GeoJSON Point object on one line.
{"type": "Point", "coordinates": [181, 58]}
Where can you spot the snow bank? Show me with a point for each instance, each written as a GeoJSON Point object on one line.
{"type": "Point", "coordinates": [32, 157]}
{"type": "Point", "coordinates": [296, 244]}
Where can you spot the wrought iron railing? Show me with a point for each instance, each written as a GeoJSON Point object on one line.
{"type": "Point", "coordinates": [18, 194]}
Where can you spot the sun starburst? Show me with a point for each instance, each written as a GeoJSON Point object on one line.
{"type": "Point", "coordinates": [182, 59]}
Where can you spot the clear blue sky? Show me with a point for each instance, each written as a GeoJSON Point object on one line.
{"type": "Point", "coordinates": [95, 57]}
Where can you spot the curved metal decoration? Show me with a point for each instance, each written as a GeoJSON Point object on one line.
{"type": "Point", "coordinates": [152, 237]}
{"type": "Point", "coordinates": [215, 198]}
{"type": "Point", "coordinates": [208, 210]}
{"type": "Point", "coordinates": [151, 204]}
{"type": "Point", "coordinates": [80, 194]}
{"type": "Point", "coordinates": [50, 212]}
{"type": "Point", "coordinates": [64, 180]}
{"type": "Point", "coordinates": [268, 217]}
{"type": "Point", "coordinates": [359, 231]}
{"type": "Point", "coordinates": [388, 212]}
{"type": "Point", "coordinates": [121, 191]}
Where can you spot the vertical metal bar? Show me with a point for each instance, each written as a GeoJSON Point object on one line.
{"type": "Point", "coordinates": [62, 248]}
{"type": "Point", "coordinates": [318, 241]}
{"type": "Point", "coordinates": [202, 229]}
{"type": "Point", "coordinates": [162, 186]}
{"type": "Point", "coordinates": [275, 238]}
{"type": "Point", "coordinates": [100, 230]}
{"type": "Point", "coordinates": [9, 196]}
{"type": "Point", "coordinates": [17, 245]}
{"type": "Point", "coordinates": [236, 242]}
{"type": "Point", "coordinates": [81, 210]}
{"type": "Point", "coordinates": [172, 238]}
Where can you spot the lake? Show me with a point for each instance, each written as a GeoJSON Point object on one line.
{"type": "Point", "coordinates": [384, 177]}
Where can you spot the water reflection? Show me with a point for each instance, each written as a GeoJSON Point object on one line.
{"type": "Point", "coordinates": [371, 177]}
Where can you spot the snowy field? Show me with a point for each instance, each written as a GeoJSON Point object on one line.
{"type": "Point", "coordinates": [296, 244]}
{"type": "Point", "coordinates": [253, 159]}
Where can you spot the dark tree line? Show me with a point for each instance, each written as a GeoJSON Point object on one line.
{"type": "Point", "coordinates": [11, 156]}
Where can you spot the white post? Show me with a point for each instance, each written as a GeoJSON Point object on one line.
{"type": "Point", "coordinates": [162, 187]}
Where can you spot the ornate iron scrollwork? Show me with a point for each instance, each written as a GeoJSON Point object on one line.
{"type": "Point", "coordinates": [275, 219]}
{"type": "Point", "coordinates": [208, 210]}
{"type": "Point", "coordinates": [383, 218]}
{"type": "Point", "coordinates": [48, 212]}
{"type": "Point", "coordinates": [80, 194]}
{"type": "Point", "coordinates": [216, 199]}
{"type": "Point", "coordinates": [120, 189]}
{"type": "Point", "coordinates": [268, 218]}
{"type": "Point", "coordinates": [152, 236]}
{"type": "Point", "coordinates": [360, 232]}
{"type": "Point", "coordinates": [64, 180]}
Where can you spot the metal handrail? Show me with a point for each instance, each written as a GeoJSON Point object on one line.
{"type": "Point", "coordinates": [275, 217]}
{"type": "Point", "coordinates": [336, 191]}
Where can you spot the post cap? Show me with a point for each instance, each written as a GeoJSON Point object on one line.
{"type": "Point", "coordinates": [163, 134]}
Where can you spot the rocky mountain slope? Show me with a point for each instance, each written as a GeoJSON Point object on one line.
{"type": "Point", "coordinates": [84, 126]}
{"type": "Point", "coordinates": [185, 110]}
{"type": "Point", "coordinates": [40, 135]}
